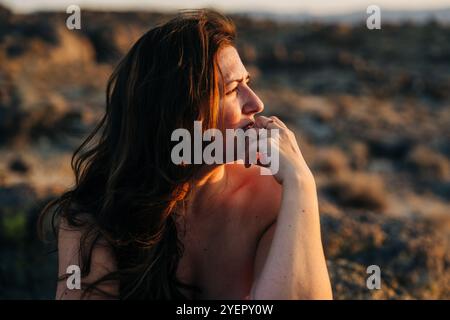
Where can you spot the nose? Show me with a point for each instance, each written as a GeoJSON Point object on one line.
{"type": "Point", "coordinates": [252, 104]}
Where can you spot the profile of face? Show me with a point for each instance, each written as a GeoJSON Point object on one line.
{"type": "Point", "coordinates": [239, 103]}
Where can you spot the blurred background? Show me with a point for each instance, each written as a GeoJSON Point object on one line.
{"type": "Point", "coordinates": [371, 110]}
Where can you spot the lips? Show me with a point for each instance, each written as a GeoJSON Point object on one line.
{"type": "Point", "coordinates": [248, 125]}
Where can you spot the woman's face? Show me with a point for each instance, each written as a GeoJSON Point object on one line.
{"type": "Point", "coordinates": [239, 103]}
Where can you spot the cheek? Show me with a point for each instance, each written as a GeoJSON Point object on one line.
{"type": "Point", "coordinates": [231, 115]}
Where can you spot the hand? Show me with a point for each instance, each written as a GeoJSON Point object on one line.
{"type": "Point", "coordinates": [292, 165]}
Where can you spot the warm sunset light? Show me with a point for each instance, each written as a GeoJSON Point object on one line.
{"type": "Point", "coordinates": [210, 153]}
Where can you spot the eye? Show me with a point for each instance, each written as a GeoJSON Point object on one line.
{"type": "Point", "coordinates": [232, 91]}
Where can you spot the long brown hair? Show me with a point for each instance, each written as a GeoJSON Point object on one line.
{"type": "Point", "coordinates": [125, 181]}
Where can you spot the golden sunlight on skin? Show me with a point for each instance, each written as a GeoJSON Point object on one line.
{"type": "Point", "coordinates": [240, 103]}
{"type": "Point", "coordinates": [245, 235]}
{"type": "Point", "coordinates": [234, 246]}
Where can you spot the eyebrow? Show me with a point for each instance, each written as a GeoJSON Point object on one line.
{"type": "Point", "coordinates": [239, 80]}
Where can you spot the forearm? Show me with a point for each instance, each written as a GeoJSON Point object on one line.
{"type": "Point", "coordinates": [295, 267]}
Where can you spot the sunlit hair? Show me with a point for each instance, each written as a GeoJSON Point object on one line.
{"type": "Point", "coordinates": [126, 186]}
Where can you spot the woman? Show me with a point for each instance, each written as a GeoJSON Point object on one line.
{"type": "Point", "coordinates": [142, 227]}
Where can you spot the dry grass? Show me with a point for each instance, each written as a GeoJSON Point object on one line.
{"type": "Point", "coordinates": [331, 161]}
{"type": "Point", "coordinates": [359, 190]}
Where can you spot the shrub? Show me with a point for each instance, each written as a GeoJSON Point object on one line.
{"type": "Point", "coordinates": [358, 190]}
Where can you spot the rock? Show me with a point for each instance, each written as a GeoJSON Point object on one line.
{"type": "Point", "coordinates": [19, 166]}
{"type": "Point", "coordinates": [413, 255]}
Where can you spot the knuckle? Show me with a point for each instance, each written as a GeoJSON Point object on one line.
{"type": "Point", "coordinates": [275, 118]}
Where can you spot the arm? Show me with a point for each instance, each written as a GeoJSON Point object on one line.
{"type": "Point", "coordinates": [290, 262]}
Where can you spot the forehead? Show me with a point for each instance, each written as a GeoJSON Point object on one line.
{"type": "Point", "coordinates": [230, 63]}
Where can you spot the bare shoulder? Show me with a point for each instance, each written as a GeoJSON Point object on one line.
{"type": "Point", "coordinates": [259, 200]}
{"type": "Point", "coordinates": [259, 197]}
{"type": "Point", "coordinates": [102, 263]}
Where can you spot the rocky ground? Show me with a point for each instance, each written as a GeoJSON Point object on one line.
{"type": "Point", "coordinates": [371, 110]}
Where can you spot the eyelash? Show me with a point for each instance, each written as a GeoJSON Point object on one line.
{"type": "Point", "coordinates": [236, 88]}
{"type": "Point", "coordinates": [232, 91]}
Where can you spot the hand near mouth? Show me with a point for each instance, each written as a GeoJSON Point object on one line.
{"type": "Point", "coordinates": [292, 165]}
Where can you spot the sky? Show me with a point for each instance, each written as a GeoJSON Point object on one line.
{"type": "Point", "coordinates": [316, 7]}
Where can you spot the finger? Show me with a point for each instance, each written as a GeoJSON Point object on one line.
{"type": "Point", "coordinates": [262, 163]}
{"type": "Point", "coordinates": [278, 121]}
{"type": "Point", "coordinates": [252, 148]}
{"type": "Point", "coordinates": [274, 125]}
{"type": "Point", "coordinates": [262, 122]}
{"type": "Point", "coordinates": [243, 145]}
{"type": "Point", "coordinates": [262, 148]}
